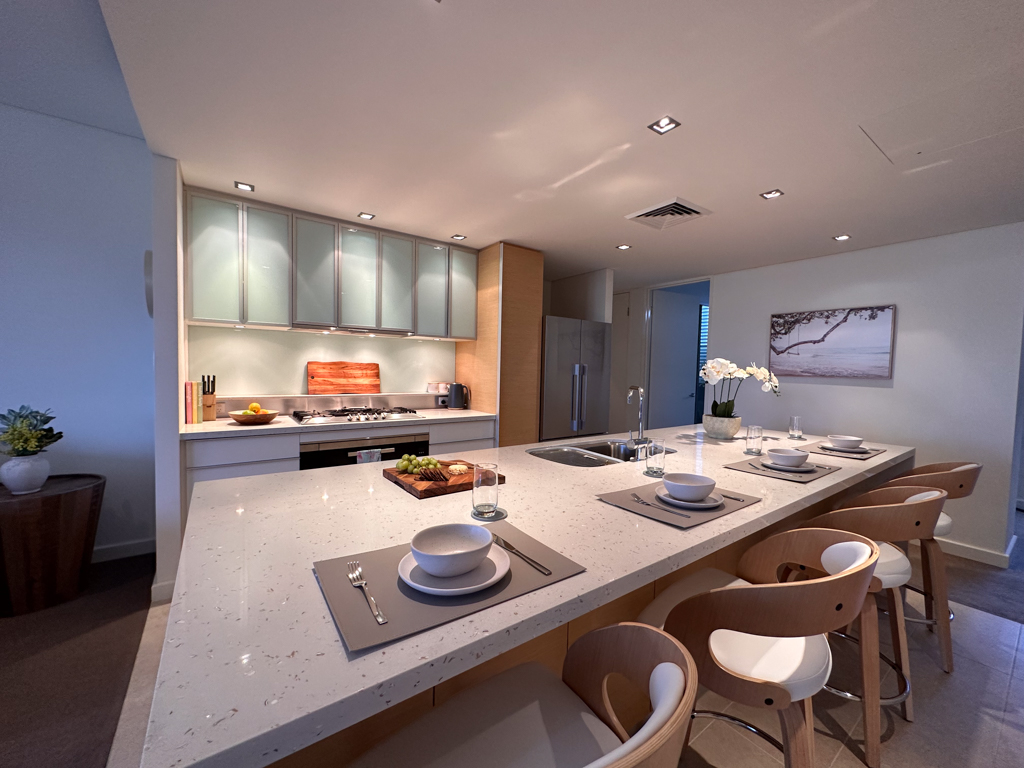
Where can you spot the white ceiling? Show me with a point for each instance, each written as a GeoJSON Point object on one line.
{"type": "Point", "coordinates": [526, 121]}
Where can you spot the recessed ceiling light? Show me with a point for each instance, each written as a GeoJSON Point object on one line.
{"type": "Point", "coordinates": [623, 247]}
{"type": "Point", "coordinates": [458, 237]}
{"type": "Point", "coordinates": [773, 194]}
{"type": "Point", "coordinates": [840, 238]}
{"type": "Point", "coordinates": [245, 187]}
{"type": "Point", "coordinates": [352, 230]}
{"type": "Point", "coordinates": [366, 216]}
{"type": "Point", "coordinates": [438, 248]}
{"type": "Point", "coordinates": [664, 125]}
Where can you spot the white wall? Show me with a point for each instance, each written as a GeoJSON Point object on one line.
{"type": "Point", "coordinates": [257, 362]}
{"type": "Point", "coordinates": [75, 220]}
{"type": "Point", "coordinates": [954, 391]}
{"type": "Point", "coordinates": [587, 296]}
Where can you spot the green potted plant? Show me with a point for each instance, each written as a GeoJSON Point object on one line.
{"type": "Point", "coordinates": [26, 436]}
{"type": "Point", "coordinates": [722, 375]}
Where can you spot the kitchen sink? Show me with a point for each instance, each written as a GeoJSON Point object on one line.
{"type": "Point", "coordinates": [593, 453]}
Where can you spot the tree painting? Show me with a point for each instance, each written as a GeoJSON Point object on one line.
{"type": "Point", "coordinates": [833, 343]}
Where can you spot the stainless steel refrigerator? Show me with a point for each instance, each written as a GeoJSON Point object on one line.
{"type": "Point", "coordinates": [576, 377]}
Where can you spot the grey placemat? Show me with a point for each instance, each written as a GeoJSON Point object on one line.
{"type": "Point", "coordinates": [681, 518]}
{"type": "Point", "coordinates": [820, 448]}
{"type": "Point", "coordinates": [409, 611]}
{"type": "Point", "coordinates": [753, 466]}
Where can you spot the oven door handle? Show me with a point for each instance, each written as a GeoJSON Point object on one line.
{"type": "Point", "coordinates": [353, 454]}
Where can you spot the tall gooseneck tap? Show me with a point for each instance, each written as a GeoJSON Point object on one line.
{"type": "Point", "coordinates": [629, 400]}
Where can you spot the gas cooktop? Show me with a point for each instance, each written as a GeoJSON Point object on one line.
{"type": "Point", "coordinates": [344, 415]}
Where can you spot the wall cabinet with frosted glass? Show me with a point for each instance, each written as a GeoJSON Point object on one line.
{"type": "Point", "coordinates": [256, 264]}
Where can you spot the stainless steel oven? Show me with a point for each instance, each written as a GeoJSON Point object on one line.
{"type": "Point", "coordinates": [338, 453]}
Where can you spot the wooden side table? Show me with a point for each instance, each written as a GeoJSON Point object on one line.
{"type": "Point", "coordinates": [46, 541]}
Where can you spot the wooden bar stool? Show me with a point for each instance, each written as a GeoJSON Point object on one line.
{"type": "Point", "coordinates": [761, 641]}
{"type": "Point", "coordinates": [527, 717]}
{"type": "Point", "coordinates": [885, 515]}
{"type": "Point", "coordinates": [957, 480]}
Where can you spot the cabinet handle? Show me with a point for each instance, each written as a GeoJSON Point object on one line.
{"type": "Point", "coordinates": [583, 399]}
{"type": "Point", "coordinates": [352, 454]}
{"type": "Point", "coordinates": [574, 415]}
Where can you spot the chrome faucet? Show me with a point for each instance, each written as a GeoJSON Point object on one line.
{"type": "Point", "coordinates": [629, 400]}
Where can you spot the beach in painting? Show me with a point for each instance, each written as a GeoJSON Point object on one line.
{"type": "Point", "coordinates": [857, 349]}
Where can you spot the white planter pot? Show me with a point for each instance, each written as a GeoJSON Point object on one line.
{"type": "Point", "coordinates": [24, 474]}
{"type": "Point", "coordinates": [721, 427]}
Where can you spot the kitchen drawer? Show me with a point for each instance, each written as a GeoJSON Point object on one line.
{"type": "Point", "coordinates": [238, 450]}
{"type": "Point", "coordinates": [461, 447]}
{"type": "Point", "coordinates": [408, 427]}
{"type": "Point", "coordinates": [193, 476]}
{"type": "Point", "coordinates": [459, 431]}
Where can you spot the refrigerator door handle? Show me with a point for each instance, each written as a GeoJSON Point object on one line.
{"type": "Point", "coordinates": [583, 397]}
{"type": "Point", "coordinates": [575, 397]}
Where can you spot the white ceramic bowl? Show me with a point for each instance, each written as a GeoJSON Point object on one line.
{"type": "Point", "coordinates": [452, 549]}
{"type": "Point", "coordinates": [787, 457]}
{"type": "Point", "coordinates": [687, 487]}
{"type": "Point", "coordinates": [845, 441]}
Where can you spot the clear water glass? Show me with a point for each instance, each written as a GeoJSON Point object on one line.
{"type": "Point", "coordinates": [485, 490]}
{"type": "Point", "coordinates": [795, 431]}
{"type": "Point", "coordinates": [655, 457]}
{"type": "Point", "coordinates": [754, 437]}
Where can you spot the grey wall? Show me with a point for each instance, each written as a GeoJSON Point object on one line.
{"type": "Point", "coordinates": [587, 296]}
{"type": "Point", "coordinates": [257, 362]}
{"type": "Point", "coordinates": [954, 391]}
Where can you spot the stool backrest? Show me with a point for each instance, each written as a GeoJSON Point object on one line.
{"type": "Point", "coordinates": [954, 477]}
{"type": "Point", "coordinates": [901, 513]}
{"type": "Point", "coordinates": [635, 651]}
{"type": "Point", "coordinates": [773, 609]}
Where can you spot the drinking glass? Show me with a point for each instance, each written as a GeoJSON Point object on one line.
{"type": "Point", "coordinates": [795, 432]}
{"type": "Point", "coordinates": [754, 437]}
{"type": "Point", "coordinates": [655, 457]}
{"type": "Point", "coordinates": [485, 490]}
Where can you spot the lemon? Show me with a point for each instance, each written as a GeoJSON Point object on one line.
{"type": "Point", "coordinates": [254, 407]}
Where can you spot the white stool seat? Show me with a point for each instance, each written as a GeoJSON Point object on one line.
{"type": "Point", "coordinates": [893, 568]}
{"type": "Point", "coordinates": [945, 525]}
{"type": "Point", "coordinates": [525, 717]}
{"type": "Point", "coordinates": [702, 581]}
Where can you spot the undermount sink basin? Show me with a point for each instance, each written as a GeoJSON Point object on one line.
{"type": "Point", "coordinates": [593, 453]}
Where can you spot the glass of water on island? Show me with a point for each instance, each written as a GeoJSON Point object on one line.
{"type": "Point", "coordinates": [754, 437]}
{"type": "Point", "coordinates": [795, 431]}
{"type": "Point", "coordinates": [655, 457]}
{"type": "Point", "coordinates": [485, 490]}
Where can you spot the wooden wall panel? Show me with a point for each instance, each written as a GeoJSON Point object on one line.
{"type": "Point", "coordinates": [522, 314]}
{"type": "Point", "coordinates": [476, 362]}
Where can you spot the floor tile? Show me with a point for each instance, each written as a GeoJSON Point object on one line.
{"type": "Point", "coordinates": [721, 745]}
{"type": "Point", "coordinates": [708, 701]}
{"type": "Point", "coordinates": [1018, 663]}
{"type": "Point", "coordinates": [990, 640]}
{"type": "Point", "coordinates": [1010, 747]}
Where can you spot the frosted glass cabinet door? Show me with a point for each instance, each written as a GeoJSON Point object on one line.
{"type": "Point", "coordinates": [268, 267]}
{"type": "Point", "coordinates": [396, 283]}
{"type": "Point", "coordinates": [358, 295]}
{"type": "Point", "coordinates": [215, 263]}
{"type": "Point", "coordinates": [314, 272]}
{"type": "Point", "coordinates": [462, 317]}
{"type": "Point", "coordinates": [431, 290]}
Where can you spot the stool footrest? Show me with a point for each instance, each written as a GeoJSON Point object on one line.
{"type": "Point", "coordinates": [741, 723]}
{"type": "Point", "coordinates": [899, 698]}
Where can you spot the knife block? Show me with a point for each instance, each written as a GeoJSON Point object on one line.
{"type": "Point", "coordinates": [209, 407]}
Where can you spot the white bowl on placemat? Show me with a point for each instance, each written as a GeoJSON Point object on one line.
{"type": "Point", "coordinates": [686, 487]}
{"type": "Point", "coordinates": [487, 574]}
{"type": "Point", "coordinates": [845, 441]}
{"type": "Point", "coordinates": [787, 457]}
{"type": "Point", "coordinates": [452, 549]}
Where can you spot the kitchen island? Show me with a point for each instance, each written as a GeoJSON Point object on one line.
{"type": "Point", "coordinates": [253, 669]}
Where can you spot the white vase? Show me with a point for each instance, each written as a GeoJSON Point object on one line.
{"type": "Point", "coordinates": [24, 474]}
{"type": "Point", "coordinates": [721, 427]}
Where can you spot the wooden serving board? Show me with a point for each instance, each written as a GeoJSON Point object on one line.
{"type": "Point", "coordinates": [339, 378]}
{"type": "Point", "coordinates": [427, 489]}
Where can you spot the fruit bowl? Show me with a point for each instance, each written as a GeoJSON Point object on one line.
{"type": "Point", "coordinates": [263, 417]}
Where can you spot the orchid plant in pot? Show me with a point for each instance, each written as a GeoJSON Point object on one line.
{"type": "Point", "coordinates": [725, 379]}
{"type": "Point", "coordinates": [26, 436]}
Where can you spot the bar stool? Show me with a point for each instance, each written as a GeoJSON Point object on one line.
{"type": "Point", "coordinates": [526, 717]}
{"type": "Point", "coordinates": [958, 481]}
{"type": "Point", "coordinates": [760, 641]}
{"type": "Point", "coordinates": [885, 515]}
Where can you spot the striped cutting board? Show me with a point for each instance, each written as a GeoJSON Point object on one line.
{"type": "Point", "coordinates": [338, 378]}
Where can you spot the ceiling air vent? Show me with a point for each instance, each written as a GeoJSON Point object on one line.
{"type": "Point", "coordinates": [668, 214]}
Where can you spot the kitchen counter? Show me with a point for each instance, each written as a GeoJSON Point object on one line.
{"type": "Point", "coordinates": [284, 423]}
{"type": "Point", "coordinates": [253, 668]}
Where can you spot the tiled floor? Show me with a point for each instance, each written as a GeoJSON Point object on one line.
{"type": "Point", "coordinates": [973, 718]}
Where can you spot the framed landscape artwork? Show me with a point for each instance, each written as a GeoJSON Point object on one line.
{"type": "Point", "coordinates": [852, 343]}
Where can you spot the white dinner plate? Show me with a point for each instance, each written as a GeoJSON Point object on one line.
{"type": "Point", "coordinates": [784, 468]}
{"type": "Point", "coordinates": [489, 572]}
{"type": "Point", "coordinates": [830, 447]}
{"type": "Point", "coordinates": [713, 501]}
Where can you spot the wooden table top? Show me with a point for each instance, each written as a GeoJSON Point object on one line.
{"type": "Point", "coordinates": [55, 486]}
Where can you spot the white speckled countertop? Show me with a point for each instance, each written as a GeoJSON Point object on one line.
{"type": "Point", "coordinates": [228, 427]}
{"type": "Point", "coordinates": [253, 668]}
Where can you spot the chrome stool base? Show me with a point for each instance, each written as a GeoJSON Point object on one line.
{"type": "Point", "coordinates": [899, 698]}
{"type": "Point", "coordinates": [741, 723]}
{"type": "Point", "coordinates": [929, 622]}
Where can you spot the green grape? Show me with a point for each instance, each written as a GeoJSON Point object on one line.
{"type": "Point", "coordinates": [416, 471]}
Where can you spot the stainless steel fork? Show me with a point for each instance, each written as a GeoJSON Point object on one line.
{"type": "Point", "coordinates": [355, 576]}
{"type": "Point", "coordinates": [638, 500]}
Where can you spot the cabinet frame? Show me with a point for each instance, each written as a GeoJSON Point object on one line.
{"type": "Point", "coordinates": [451, 294]}
{"type": "Point", "coordinates": [448, 286]}
{"type": "Point", "coordinates": [296, 323]}
{"type": "Point", "coordinates": [346, 227]}
{"type": "Point", "coordinates": [382, 233]}
{"type": "Point", "coordinates": [266, 208]}
{"type": "Point", "coordinates": [188, 266]}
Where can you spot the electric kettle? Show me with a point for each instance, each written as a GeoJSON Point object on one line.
{"type": "Point", "coordinates": [458, 396]}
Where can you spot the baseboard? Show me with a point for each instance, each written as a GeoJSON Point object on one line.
{"type": "Point", "coordinates": [106, 552]}
{"type": "Point", "coordinates": [162, 592]}
{"type": "Point", "coordinates": [978, 554]}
